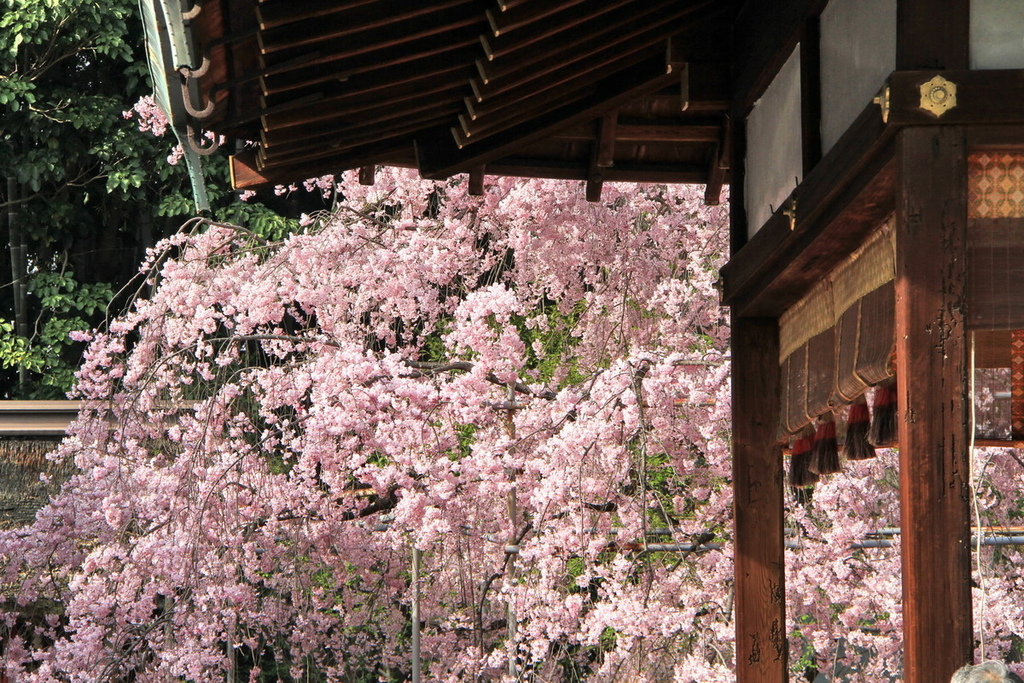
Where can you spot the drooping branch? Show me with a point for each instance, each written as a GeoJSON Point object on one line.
{"type": "Point", "coordinates": [429, 369]}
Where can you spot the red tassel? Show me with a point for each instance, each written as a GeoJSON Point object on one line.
{"type": "Point", "coordinates": [883, 421]}
{"type": "Point", "coordinates": [825, 451]}
{"type": "Point", "coordinates": [800, 474]}
{"type": "Point", "coordinates": [858, 424]}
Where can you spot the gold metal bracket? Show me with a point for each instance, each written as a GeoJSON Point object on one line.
{"type": "Point", "coordinates": [882, 100]}
{"type": "Point", "coordinates": [790, 212]}
{"type": "Point", "coordinates": [938, 96]}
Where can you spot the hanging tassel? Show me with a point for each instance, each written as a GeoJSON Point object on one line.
{"type": "Point", "coordinates": [825, 451]}
{"type": "Point", "coordinates": [883, 421]}
{"type": "Point", "coordinates": [800, 474]}
{"type": "Point", "coordinates": [858, 424]}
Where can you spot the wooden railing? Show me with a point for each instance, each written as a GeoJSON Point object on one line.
{"type": "Point", "coordinates": [36, 418]}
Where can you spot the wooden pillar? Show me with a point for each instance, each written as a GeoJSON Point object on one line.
{"type": "Point", "coordinates": [932, 34]}
{"type": "Point", "coordinates": [761, 647]}
{"type": "Point", "coordinates": [931, 356]}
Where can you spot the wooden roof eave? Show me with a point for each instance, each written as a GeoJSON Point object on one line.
{"type": "Point", "coordinates": [322, 79]}
{"type": "Point", "coordinates": [440, 157]}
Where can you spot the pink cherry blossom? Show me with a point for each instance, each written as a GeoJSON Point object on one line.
{"type": "Point", "coordinates": [530, 389]}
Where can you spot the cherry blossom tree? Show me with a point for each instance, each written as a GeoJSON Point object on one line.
{"type": "Point", "coordinates": [519, 399]}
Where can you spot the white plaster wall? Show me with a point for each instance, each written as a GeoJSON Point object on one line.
{"type": "Point", "coordinates": [858, 52]}
{"type": "Point", "coordinates": [774, 161]}
{"type": "Point", "coordinates": [997, 34]}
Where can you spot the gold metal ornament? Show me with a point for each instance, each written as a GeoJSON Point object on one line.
{"type": "Point", "coordinates": [882, 100]}
{"type": "Point", "coordinates": [790, 213]}
{"type": "Point", "coordinates": [938, 96]}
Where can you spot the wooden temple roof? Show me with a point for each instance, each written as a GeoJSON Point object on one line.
{"type": "Point", "coordinates": [632, 90]}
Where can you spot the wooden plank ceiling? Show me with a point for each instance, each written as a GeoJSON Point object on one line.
{"type": "Point", "coordinates": [595, 90]}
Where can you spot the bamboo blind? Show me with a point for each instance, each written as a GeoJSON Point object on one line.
{"type": "Point", "coordinates": [838, 339]}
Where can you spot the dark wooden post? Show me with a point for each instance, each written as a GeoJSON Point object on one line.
{"type": "Point", "coordinates": [761, 649]}
{"type": "Point", "coordinates": [931, 353]}
{"type": "Point", "coordinates": [932, 34]}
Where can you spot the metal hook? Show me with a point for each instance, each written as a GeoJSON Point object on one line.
{"type": "Point", "coordinates": [197, 146]}
{"type": "Point", "coordinates": [187, 98]}
{"type": "Point", "coordinates": [189, 72]}
{"type": "Point", "coordinates": [194, 12]}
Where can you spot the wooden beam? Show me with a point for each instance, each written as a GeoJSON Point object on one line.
{"type": "Point", "coordinates": [606, 136]}
{"type": "Point", "coordinates": [987, 97]}
{"type": "Point", "coordinates": [483, 126]}
{"type": "Point", "coordinates": [583, 52]}
{"type": "Point", "coordinates": [246, 173]}
{"type": "Point", "coordinates": [852, 172]}
{"type": "Point", "coordinates": [506, 5]}
{"type": "Point", "coordinates": [931, 361]}
{"type": "Point", "coordinates": [738, 233]}
{"type": "Point", "coordinates": [496, 47]}
{"type": "Point", "coordinates": [274, 14]}
{"type": "Point", "coordinates": [681, 130]}
{"type": "Point", "coordinates": [476, 181]}
{"type": "Point", "coordinates": [710, 86]}
{"type": "Point", "coordinates": [324, 67]}
{"type": "Point", "coordinates": [367, 175]}
{"type": "Point", "coordinates": [655, 173]}
{"type": "Point", "coordinates": [595, 185]}
{"type": "Point", "coordinates": [718, 165]}
{"type": "Point", "coordinates": [595, 179]}
{"type": "Point", "coordinates": [932, 34]}
{"type": "Point", "coordinates": [336, 131]}
{"type": "Point", "coordinates": [761, 646]}
{"type": "Point", "coordinates": [810, 93]}
{"type": "Point", "coordinates": [406, 86]}
{"type": "Point", "coordinates": [1002, 138]}
{"type": "Point", "coordinates": [265, 109]}
{"type": "Point", "coordinates": [523, 15]}
{"type": "Point", "coordinates": [994, 99]}
{"type": "Point", "coordinates": [525, 56]}
{"type": "Point", "coordinates": [384, 134]}
{"type": "Point", "coordinates": [393, 16]}
{"type": "Point", "coordinates": [37, 418]}
{"type": "Point", "coordinates": [624, 173]}
{"type": "Point", "coordinates": [440, 159]}
{"type": "Point", "coordinates": [557, 75]}
{"type": "Point", "coordinates": [765, 34]}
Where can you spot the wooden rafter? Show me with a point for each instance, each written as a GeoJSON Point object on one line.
{"type": "Point", "coordinates": [633, 130]}
{"type": "Point", "coordinates": [278, 13]}
{"type": "Point", "coordinates": [388, 132]}
{"type": "Point", "coordinates": [326, 67]}
{"type": "Point", "coordinates": [551, 29]}
{"type": "Point", "coordinates": [401, 89]}
{"type": "Point", "coordinates": [316, 80]}
{"type": "Point", "coordinates": [438, 159]}
{"type": "Point", "coordinates": [524, 14]}
{"type": "Point", "coordinates": [379, 116]}
{"type": "Point", "coordinates": [388, 17]}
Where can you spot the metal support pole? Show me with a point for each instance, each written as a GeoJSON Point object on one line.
{"type": "Point", "coordinates": [416, 557]}
{"type": "Point", "coordinates": [19, 285]}
{"type": "Point", "coordinates": [513, 518]}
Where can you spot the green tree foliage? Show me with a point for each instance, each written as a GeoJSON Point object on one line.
{"type": "Point", "coordinates": [81, 187]}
